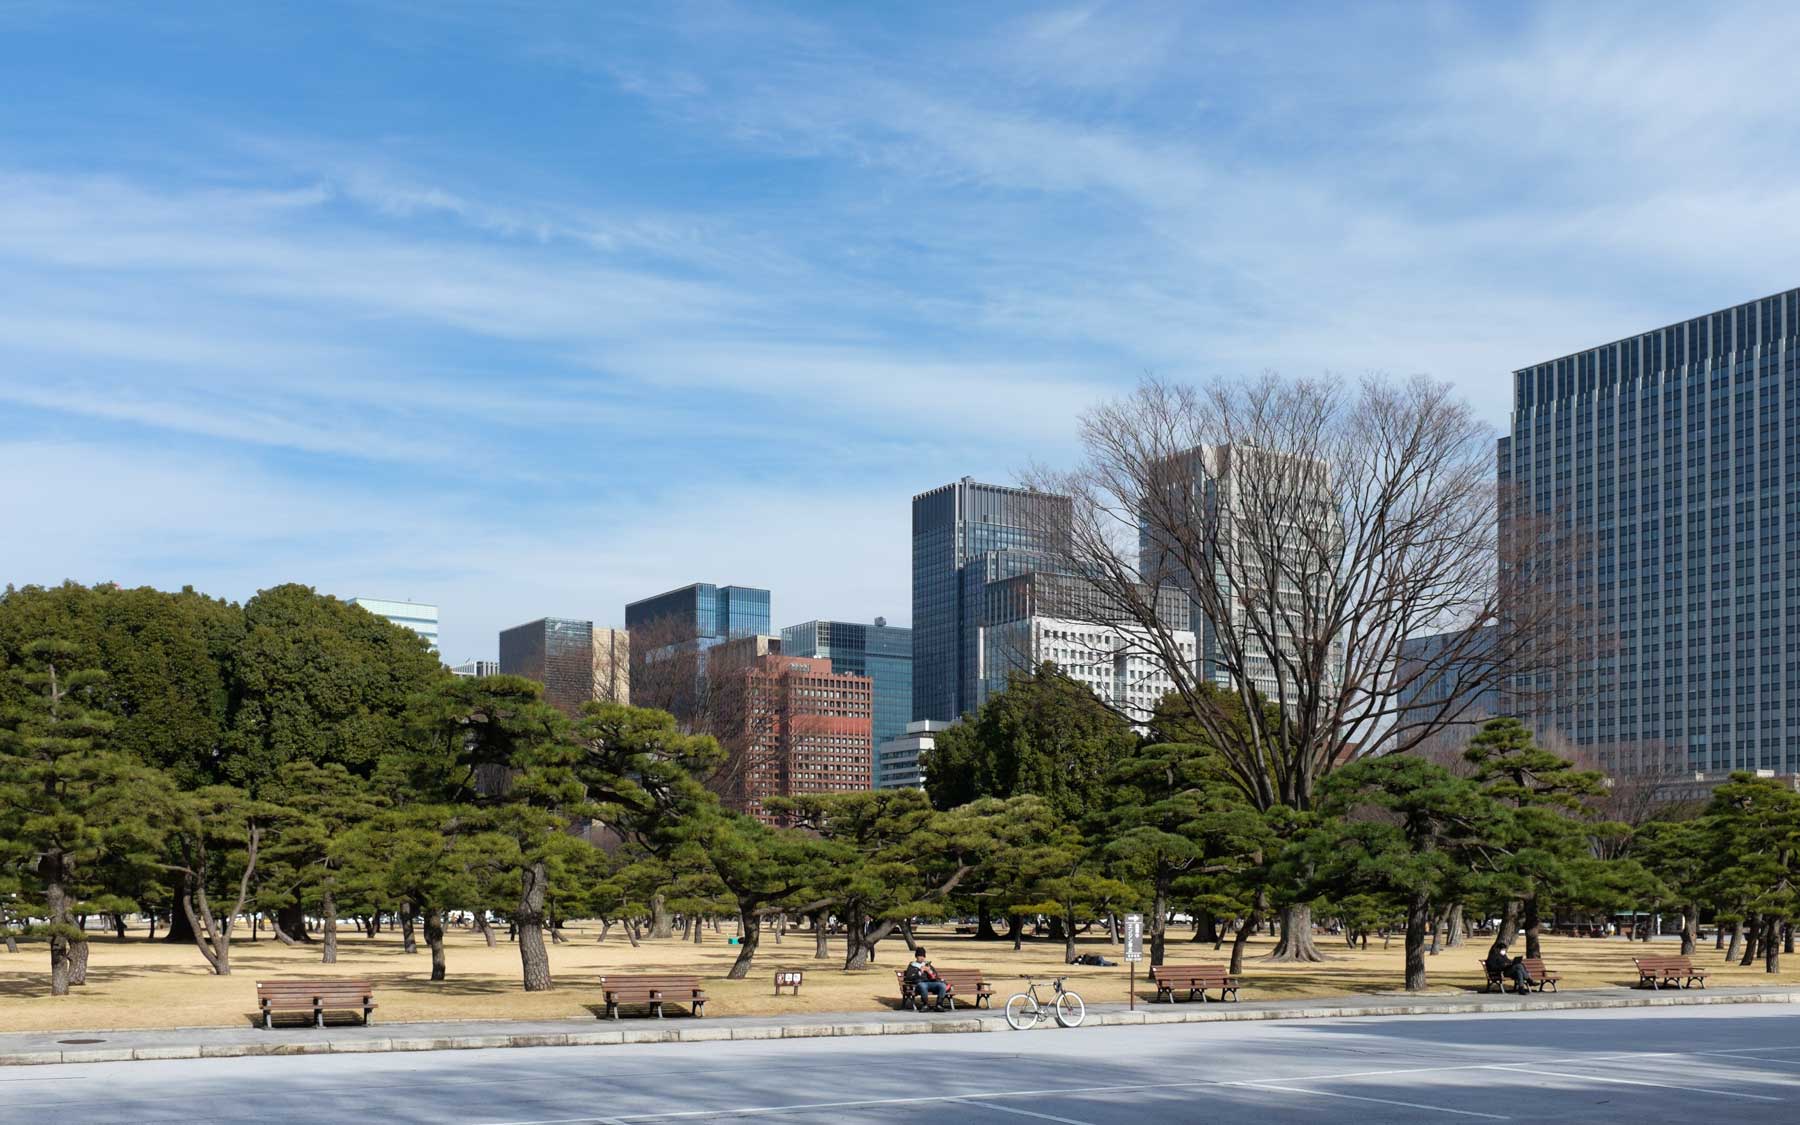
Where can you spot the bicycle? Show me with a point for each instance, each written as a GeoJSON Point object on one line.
{"type": "Point", "coordinates": [1025, 1011]}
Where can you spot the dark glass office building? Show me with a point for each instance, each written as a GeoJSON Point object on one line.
{"type": "Point", "coordinates": [702, 612]}
{"type": "Point", "coordinates": [556, 653]}
{"type": "Point", "coordinates": [880, 651]}
{"type": "Point", "coordinates": [1662, 474]}
{"type": "Point", "coordinates": [966, 535]}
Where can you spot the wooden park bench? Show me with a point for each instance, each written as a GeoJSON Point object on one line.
{"type": "Point", "coordinates": [1658, 972]}
{"type": "Point", "coordinates": [1194, 979]}
{"type": "Point", "coordinates": [668, 988]}
{"type": "Point", "coordinates": [959, 983]}
{"type": "Point", "coordinates": [314, 997]}
{"type": "Point", "coordinates": [1534, 968]}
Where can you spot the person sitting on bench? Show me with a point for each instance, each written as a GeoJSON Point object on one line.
{"type": "Point", "coordinates": [1501, 965]}
{"type": "Point", "coordinates": [927, 985]}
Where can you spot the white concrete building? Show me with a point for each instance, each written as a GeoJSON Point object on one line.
{"type": "Point", "coordinates": [1037, 618]}
{"type": "Point", "coordinates": [417, 616]}
{"type": "Point", "coordinates": [897, 761]}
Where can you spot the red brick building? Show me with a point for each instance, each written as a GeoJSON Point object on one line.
{"type": "Point", "coordinates": [793, 726]}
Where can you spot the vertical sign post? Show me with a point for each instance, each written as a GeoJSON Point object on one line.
{"type": "Point", "coordinates": [1134, 952]}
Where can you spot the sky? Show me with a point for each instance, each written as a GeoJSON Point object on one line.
{"type": "Point", "coordinates": [536, 309]}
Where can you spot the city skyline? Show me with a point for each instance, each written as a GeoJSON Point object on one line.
{"type": "Point", "coordinates": [581, 321]}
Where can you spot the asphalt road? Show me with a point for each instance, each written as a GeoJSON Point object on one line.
{"type": "Point", "coordinates": [1739, 1063]}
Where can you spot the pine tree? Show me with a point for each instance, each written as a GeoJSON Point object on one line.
{"type": "Point", "coordinates": [67, 802]}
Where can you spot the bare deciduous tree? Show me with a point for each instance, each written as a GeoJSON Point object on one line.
{"type": "Point", "coordinates": [1317, 527]}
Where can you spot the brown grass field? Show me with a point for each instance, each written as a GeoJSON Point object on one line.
{"type": "Point", "coordinates": [139, 984]}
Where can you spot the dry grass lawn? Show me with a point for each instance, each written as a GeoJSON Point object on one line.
{"type": "Point", "coordinates": [139, 984]}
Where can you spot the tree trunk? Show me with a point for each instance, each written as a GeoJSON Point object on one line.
{"type": "Point", "coordinates": [1069, 938]}
{"type": "Point", "coordinates": [1159, 913]}
{"type": "Point", "coordinates": [119, 925]}
{"type": "Point", "coordinates": [1418, 917]}
{"type": "Point", "coordinates": [1771, 944]}
{"type": "Point", "coordinates": [409, 942]}
{"type": "Point", "coordinates": [1752, 941]}
{"type": "Point", "coordinates": [1509, 925]}
{"type": "Point", "coordinates": [1690, 927]}
{"type": "Point", "coordinates": [1243, 933]}
{"type": "Point", "coordinates": [661, 925]}
{"type": "Point", "coordinates": [328, 919]}
{"type": "Point", "coordinates": [78, 961]}
{"type": "Point", "coordinates": [1017, 922]}
{"type": "Point", "coordinates": [752, 931]}
{"type": "Point", "coordinates": [1787, 938]}
{"type": "Point", "coordinates": [181, 927]}
{"type": "Point", "coordinates": [12, 944]}
{"type": "Point", "coordinates": [1296, 942]}
{"type": "Point", "coordinates": [699, 929]}
{"type": "Point", "coordinates": [1206, 927]}
{"type": "Point", "coordinates": [1737, 939]}
{"type": "Point", "coordinates": [821, 928]}
{"type": "Point", "coordinates": [984, 922]}
{"type": "Point", "coordinates": [1453, 939]}
{"type": "Point", "coordinates": [56, 903]}
{"type": "Point", "coordinates": [605, 928]}
{"type": "Point", "coordinates": [434, 940]}
{"type": "Point", "coordinates": [487, 929]}
{"type": "Point", "coordinates": [1534, 928]}
{"type": "Point", "coordinates": [534, 958]}
{"type": "Point", "coordinates": [631, 932]}
{"type": "Point", "coordinates": [292, 921]}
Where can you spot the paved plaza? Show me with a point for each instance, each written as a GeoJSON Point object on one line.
{"type": "Point", "coordinates": [1739, 1061]}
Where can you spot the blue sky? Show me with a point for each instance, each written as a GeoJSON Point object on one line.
{"type": "Point", "coordinates": [534, 309]}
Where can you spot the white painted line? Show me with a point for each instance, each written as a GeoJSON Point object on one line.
{"type": "Point", "coordinates": [1745, 1051]}
{"type": "Point", "coordinates": [1028, 1113]}
{"type": "Point", "coordinates": [1636, 1082]}
{"type": "Point", "coordinates": [1365, 1098]}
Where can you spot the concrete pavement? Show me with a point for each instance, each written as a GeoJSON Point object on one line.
{"type": "Point", "coordinates": [1739, 1061]}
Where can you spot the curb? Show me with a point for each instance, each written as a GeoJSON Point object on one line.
{"type": "Point", "coordinates": [700, 1032]}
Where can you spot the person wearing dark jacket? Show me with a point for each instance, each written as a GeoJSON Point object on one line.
{"type": "Point", "coordinates": [1501, 965]}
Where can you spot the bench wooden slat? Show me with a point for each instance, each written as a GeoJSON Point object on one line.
{"type": "Point", "coordinates": [1657, 971]}
{"type": "Point", "coordinates": [317, 996]}
{"type": "Point", "coordinates": [654, 989]}
{"type": "Point", "coordinates": [958, 982]}
{"type": "Point", "coordinates": [1534, 968]}
{"type": "Point", "coordinates": [1195, 979]}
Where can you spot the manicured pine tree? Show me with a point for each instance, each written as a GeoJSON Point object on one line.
{"type": "Point", "coordinates": [67, 802]}
{"type": "Point", "coordinates": [1545, 789]}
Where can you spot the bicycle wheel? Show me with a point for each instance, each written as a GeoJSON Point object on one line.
{"type": "Point", "coordinates": [1022, 1012]}
{"type": "Point", "coordinates": [1070, 1011]}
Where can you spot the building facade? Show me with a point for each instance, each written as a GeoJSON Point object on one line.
{"type": "Point", "coordinates": [965, 535]}
{"type": "Point", "coordinates": [791, 726]}
{"type": "Point", "coordinates": [880, 651]}
{"type": "Point", "coordinates": [417, 616]}
{"type": "Point", "coordinates": [476, 668]}
{"type": "Point", "coordinates": [1037, 618]}
{"type": "Point", "coordinates": [612, 665]}
{"type": "Point", "coordinates": [556, 652]}
{"type": "Point", "coordinates": [1226, 492]}
{"type": "Point", "coordinates": [702, 614]}
{"type": "Point", "coordinates": [1660, 476]}
{"type": "Point", "coordinates": [1429, 677]}
{"type": "Point", "coordinates": [900, 761]}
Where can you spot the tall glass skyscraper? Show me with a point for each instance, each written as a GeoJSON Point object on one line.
{"type": "Point", "coordinates": [966, 535]}
{"type": "Point", "coordinates": [702, 612]}
{"type": "Point", "coordinates": [556, 652]}
{"type": "Point", "coordinates": [1661, 476]}
{"type": "Point", "coordinates": [880, 651]}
